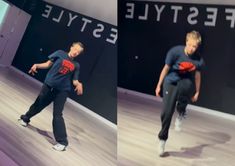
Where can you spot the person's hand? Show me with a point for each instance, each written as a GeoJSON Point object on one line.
{"type": "Point", "coordinates": [195, 97]}
{"type": "Point", "coordinates": [33, 69]}
{"type": "Point", "coordinates": [158, 90]}
{"type": "Point", "coordinates": [79, 89]}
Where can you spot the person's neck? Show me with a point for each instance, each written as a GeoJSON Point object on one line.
{"type": "Point", "coordinates": [69, 54]}
{"type": "Point", "coordinates": [185, 51]}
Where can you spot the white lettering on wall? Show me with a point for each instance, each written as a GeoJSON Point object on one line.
{"type": "Point", "coordinates": [145, 16]}
{"type": "Point", "coordinates": [211, 17]}
{"type": "Point", "coordinates": [71, 18]}
{"type": "Point", "coordinates": [113, 36]}
{"type": "Point", "coordinates": [159, 11]}
{"type": "Point", "coordinates": [231, 17]}
{"type": "Point", "coordinates": [176, 9]}
{"type": "Point", "coordinates": [60, 16]}
{"type": "Point", "coordinates": [130, 11]}
{"type": "Point", "coordinates": [192, 16]}
{"type": "Point", "coordinates": [47, 11]}
{"type": "Point", "coordinates": [97, 31]}
{"type": "Point", "coordinates": [85, 23]}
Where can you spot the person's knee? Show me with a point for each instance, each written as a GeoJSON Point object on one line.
{"type": "Point", "coordinates": [185, 87]}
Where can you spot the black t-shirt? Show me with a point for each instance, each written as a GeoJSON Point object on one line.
{"type": "Point", "coordinates": [182, 65]}
{"type": "Point", "coordinates": [62, 71]}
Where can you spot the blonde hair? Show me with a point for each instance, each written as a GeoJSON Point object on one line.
{"type": "Point", "coordinates": [195, 35]}
{"type": "Point", "coordinates": [80, 44]}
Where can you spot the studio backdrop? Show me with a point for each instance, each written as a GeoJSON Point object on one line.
{"type": "Point", "coordinates": [52, 28]}
{"type": "Point", "coordinates": [147, 30]}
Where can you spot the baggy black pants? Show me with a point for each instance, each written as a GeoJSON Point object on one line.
{"type": "Point", "coordinates": [179, 93]}
{"type": "Point", "coordinates": [46, 96]}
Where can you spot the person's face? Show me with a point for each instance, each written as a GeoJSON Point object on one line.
{"type": "Point", "coordinates": [191, 46]}
{"type": "Point", "coordinates": [75, 50]}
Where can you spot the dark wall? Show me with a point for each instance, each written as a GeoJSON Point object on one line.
{"type": "Point", "coordinates": [52, 28]}
{"type": "Point", "coordinates": [28, 6]}
{"type": "Point", "coordinates": [145, 36]}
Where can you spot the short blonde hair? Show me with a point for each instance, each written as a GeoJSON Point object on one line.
{"type": "Point", "coordinates": [80, 44]}
{"type": "Point", "coordinates": [195, 35]}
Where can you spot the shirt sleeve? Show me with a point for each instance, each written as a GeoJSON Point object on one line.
{"type": "Point", "coordinates": [201, 64]}
{"type": "Point", "coordinates": [170, 57]}
{"type": "Point", "coordinates": [54, 56]}
{"type": "Point", "coordinates": [76, 72]}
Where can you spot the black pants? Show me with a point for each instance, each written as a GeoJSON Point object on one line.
{"type": "Point", "coordinates": [46, 96]}
{"type": "Point", "coordinates": [179, 93]}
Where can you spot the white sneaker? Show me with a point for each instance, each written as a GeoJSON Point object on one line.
{"type": "Point", "coordinates": [59, 147]}
{"type": "Point", "coordinates": [178, 123]}
{"type": "Point", "coordinates": [161, 147]}
{"type": "Point", "coordinates": [22, 123]}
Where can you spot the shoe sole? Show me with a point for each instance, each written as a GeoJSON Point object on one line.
{"type": "Point", "coordinates": [22, 124]}
{"type": "Point", "coordinates": [178, 129]}
{"type": "Point", "coordinates": [60, 150]}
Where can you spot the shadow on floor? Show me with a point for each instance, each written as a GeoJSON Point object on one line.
{"type": "Point", "coordinates": [214, 138]}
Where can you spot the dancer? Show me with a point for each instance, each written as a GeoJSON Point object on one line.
{"type": "Point", "coordinates": [180, 79]}
{"type": "Point", "coordinates": [63, 73]}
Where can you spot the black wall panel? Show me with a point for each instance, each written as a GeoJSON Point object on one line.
{"type": "Point", "coordinates": [146, 34]}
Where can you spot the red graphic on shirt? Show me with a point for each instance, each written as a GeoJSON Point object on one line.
{"type": "Point", "coordinates": [66, 67]}
{"type": "Point", "coordinates": [186, 67]}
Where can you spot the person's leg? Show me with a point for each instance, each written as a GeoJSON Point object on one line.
{"type": "Point", "coordinates": [185, 92]}
{"type": "Point", "coordinates": [169, 101]}
{"type": "Point", "coordinates": [59, 129]}
{"type": "Point", "coordinates": [44, 98]}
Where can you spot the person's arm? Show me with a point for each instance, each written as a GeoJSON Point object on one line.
{"type": "Point", "coordinates": [44, 65]}
{"type": "Point", "coordinates": [164, 72]}
{"type": "Point", "coordinates": [197, 86]}
{"type": "Point", "coordinates": [78, 87]}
